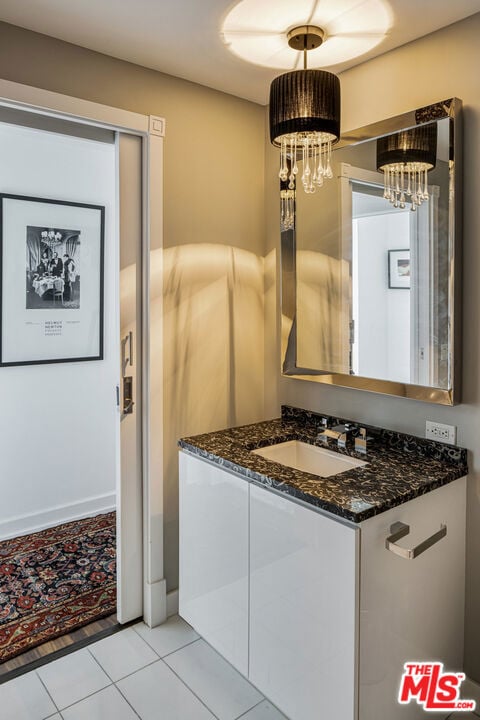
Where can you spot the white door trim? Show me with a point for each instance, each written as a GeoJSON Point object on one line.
{"type": "Point", "coordinates": [46, 102]}
{"type": "Point", "coordinates": [152, 130]}
{"type": "Point", "coordinates": [155, 588]}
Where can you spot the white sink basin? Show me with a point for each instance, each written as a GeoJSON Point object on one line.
{"type": "Point", "coordinates": [309, 458]}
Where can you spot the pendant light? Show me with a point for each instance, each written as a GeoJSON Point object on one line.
{"type": "Point", "coordinates": [406, 158]}
{"type": "Point", "coordinates": [305, 117]}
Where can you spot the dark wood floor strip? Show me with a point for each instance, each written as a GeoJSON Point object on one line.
{"type": "Point", "coordinates": [59, 647]}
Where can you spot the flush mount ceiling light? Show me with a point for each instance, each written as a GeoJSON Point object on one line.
{"type": "Point", "coordinates": [305, 115]}
{"type": "Point", "coordinates": [256, 30]}
{"type": "Point", "coordinates": [405, 159]}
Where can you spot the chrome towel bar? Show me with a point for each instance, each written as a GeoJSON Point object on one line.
{"type": "Point", "coordinates": [399, 530]}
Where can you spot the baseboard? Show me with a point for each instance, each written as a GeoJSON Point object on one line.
{"type": "Point", "coordinates": [34, 522]}
{"type": "Point", "coordinates": [155, 603]}
{"type": "Point", "coordinates": [172, 603]}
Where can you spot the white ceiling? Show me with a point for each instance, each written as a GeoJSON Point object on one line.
{"type": "Point", "coordinates": [183, 37]}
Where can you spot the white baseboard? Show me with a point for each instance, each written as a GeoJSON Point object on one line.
{"type": "Point", "coordinates": [172, 603]}
{"type": "Point", "coordinates": [155, 603]}
{"type": "Point", "coordinates": [34, 522]}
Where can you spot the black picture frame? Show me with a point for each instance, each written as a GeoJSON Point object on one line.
{"type": "Point", "coordinates": [57, 330]}
{"type": "Point", "coordinates": [399, 270]}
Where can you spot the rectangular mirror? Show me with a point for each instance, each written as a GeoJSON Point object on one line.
{"type": "Point", "coordinates": [371, 268]}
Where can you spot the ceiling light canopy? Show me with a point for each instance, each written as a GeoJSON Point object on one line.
{"type": "Point", "coordinates": [256, 31]}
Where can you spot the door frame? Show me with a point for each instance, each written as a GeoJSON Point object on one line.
{"type": "Point", "coordinates": [151, 129]}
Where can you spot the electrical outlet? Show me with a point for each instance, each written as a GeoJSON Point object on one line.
{"type": "Point", "coordinates": [440, 432]}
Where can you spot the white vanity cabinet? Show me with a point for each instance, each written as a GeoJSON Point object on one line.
{"type": "Point", "coordinates": [214, 541]}
{"type": "Point", "coordinates": [303, 608]}
{"type": "Point", "coordinates": [315, 611]}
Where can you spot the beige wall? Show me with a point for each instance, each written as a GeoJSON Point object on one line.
{"type": "Point", "coordinates": [213, 237]}
{"type": "Point", "coordinates": [215, 345]}
{"type": "Point", "coordinates": [442, 65]}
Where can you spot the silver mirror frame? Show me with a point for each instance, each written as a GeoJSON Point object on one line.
{"type": "Point", "coordinates": [451, 108]}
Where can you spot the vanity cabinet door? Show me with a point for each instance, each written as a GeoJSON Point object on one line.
{"type": "Point", "coordinates": [411, 609]}
{"type": "Point", "coordinates": [303, 606]}
{"type": "Point", "coordinates": [213, 586]}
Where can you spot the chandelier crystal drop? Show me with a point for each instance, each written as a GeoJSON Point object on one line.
{"type": "Point", "coordinates": [315, 151]}
{"type": "Point", "coordinates": [406, 158]}
{"type": "Point", "coordinates": [287, 209]}
{"type": "Point", "coordinates": [404, 182]}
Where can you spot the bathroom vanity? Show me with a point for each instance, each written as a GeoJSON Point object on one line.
{"type": "Point", "coordinates": [319, 588]}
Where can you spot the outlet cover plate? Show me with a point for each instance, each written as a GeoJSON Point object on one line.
{"type": "Point", "coordinates": [440, 432]}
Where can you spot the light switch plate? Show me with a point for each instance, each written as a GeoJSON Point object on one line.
{"type": "Point", "coordinates": [440, 432]}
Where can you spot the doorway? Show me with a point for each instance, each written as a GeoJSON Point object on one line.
{"type": "Point", "coordinates": [64, 453]}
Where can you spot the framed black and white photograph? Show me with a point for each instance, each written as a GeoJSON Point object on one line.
{"type": "Point", "coordinates": [399, 269]}
{"type": "Point", "coordinates": [51, 299]}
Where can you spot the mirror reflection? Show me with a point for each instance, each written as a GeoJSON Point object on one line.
{"type": "Point", "coordinates": [373, 261]}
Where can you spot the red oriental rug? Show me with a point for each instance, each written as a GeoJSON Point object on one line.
{"type": "Point", "coordinates": [55, 581]}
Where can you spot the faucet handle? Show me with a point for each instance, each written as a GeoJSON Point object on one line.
{"type": "Point", "coordinates": [361, 441]}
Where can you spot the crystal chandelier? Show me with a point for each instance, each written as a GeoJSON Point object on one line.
{"type": "Point", "coordinates": [405, 159]}
{"type": "Point", "coordinates": [304, 121]}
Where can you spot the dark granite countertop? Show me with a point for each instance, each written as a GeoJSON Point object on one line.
{"type": "Point", "coordinates": [400, 467]}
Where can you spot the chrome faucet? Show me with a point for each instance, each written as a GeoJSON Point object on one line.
{"type": "Point", "coordinates": [343, 434]}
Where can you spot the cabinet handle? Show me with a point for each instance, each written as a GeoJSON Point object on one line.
{"type": "Point", "coordinates": [398, 530]}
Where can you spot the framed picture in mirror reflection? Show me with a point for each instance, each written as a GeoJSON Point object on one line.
{"type": "Point", "coordinates": [399, 269]}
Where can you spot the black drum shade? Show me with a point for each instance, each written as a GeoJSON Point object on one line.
{"type": "Point", "coordinates": [417, 145]}
{"type": "Point", "coordinates": [304, 101]}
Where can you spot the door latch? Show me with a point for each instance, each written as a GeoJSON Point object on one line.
{"type": "Point", "coordinates": [128, 395]}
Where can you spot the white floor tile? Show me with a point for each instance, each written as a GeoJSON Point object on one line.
{"type": "Point", "coordinates": [108, 704]}
{"type": "Point", "coordinates": [155, 692]}
{"type": "Point", "coordinates": [264, 711]}
{"type": "Point", "coordinates": [25, 698]}
{"type": "Point", "coordinates": [73, 678]}
{"type": "Point", "coordinates": [215, 681]}
{"type": "Point", "coordinates": [166, 638]}
{"type": "Point", "coordinates": [123, 653]}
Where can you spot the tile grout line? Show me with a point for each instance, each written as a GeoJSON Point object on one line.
{"type": "Point", "coordinates": [48, 692]}
{"type": "Point", "coordinates": [86, 696]}
{"type": "Point", "coordinates": [189, 688]}
{"type": "Point", "coordinates": [153, 663]}
{"type": "Point", "coordinates": [127, 700]}
{"type": "Point", "coordinates": [159, 659]}
{"type": "Point", "coordinates": [114, 682]}
{"type": "Point", "coordinates": [228, 663]}
{"type": "Point", "coordinates": [100, 666]}
{"type": "Point", "coordinates": [239, 717]}
{"type": "Point", "coordinates": [67, 707]}
{"type": "Point", "coordinates": [171, 651]}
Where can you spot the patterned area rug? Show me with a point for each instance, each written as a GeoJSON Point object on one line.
{"type": "Point", "coordinates": [55, 581]}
